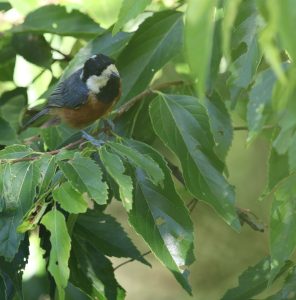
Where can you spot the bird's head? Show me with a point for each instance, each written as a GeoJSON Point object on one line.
{"type": "Point", "coordinates": [101, 77]}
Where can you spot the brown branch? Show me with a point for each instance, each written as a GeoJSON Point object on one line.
{"type": "Point", "coordinates": [130, 260]}
{"type": "Point", "coordinates": [125, 107]}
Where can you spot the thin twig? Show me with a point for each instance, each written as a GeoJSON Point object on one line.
{"type": "Point", "coordinates": [130, 260]}
{"type": "Point", "coordinates": [66, 56]}
{"type": "Point", "coordinates": [125, 107]}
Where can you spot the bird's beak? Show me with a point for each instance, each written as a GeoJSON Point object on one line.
{"type": "Point", "coordinates": [116, 75]}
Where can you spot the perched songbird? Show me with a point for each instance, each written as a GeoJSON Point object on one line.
{"type": "Point", "coordinates": [86, 95]}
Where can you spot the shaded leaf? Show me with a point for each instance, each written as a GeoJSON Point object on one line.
{"type": "Point", "coordinates": [147, 52]}
{"type": "Point", "coordinates": [47, 167]}
{"type": "Point", "coordinates": [55, 19]}
{"type": "Point", "coordinates": [7, 133]}
{"type": "Point", "coordinates": [86, 176]}
{"type": "Point", "coordinates": [69, 199]}
{"type": "Point", "coordinates": [54, 221]}
{"type": "Point", "coordinates": [93, 273]}
{"type": "Point", "coordinates": [15, 151]}
{"type": "Point", "coordinates": [161, 218]}
{"type": "Point", "coordinates": [116, 169]}
{"type": "Point", "coordinates": [221, 126]}
{"type": "Point", "coordinates": [185, 130]}
{"type": "Point", "coordinates": [129, 10]}
{"type": "Point", "coordinates": [106, 235]}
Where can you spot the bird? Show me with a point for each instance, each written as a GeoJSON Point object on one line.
{"type": "Point", "coordinates": [86, 95]}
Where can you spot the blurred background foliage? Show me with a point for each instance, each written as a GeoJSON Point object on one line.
{"type": "Point", "coordinates": [31, 63]}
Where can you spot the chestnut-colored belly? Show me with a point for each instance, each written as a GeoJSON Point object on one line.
{"type": "Point", "coordinates": [84, 115]}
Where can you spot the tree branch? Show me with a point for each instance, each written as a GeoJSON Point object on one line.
{"type": "Point", "coordinates": [125, 107]}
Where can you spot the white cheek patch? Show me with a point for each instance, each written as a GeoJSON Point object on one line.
{"type": "Point", "coordinates": [96, 83]}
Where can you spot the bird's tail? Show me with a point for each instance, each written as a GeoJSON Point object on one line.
{"type": "Point", "coordinates": [34, 118]}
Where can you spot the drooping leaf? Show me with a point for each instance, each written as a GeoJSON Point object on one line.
{"type": "Point", "coordinates": [115, 168]}
{"type": "Point", "coordinates": [245, 46]}
{"type": "Point", "coordinates": [252, 281]}
{"type": "Point", "coordinates": [221, 126]}
{"type": "Point", "coordinates": [147, 52]}
{"type": "Point", "coordinates": [145, 162]}
{"type": "Point", "coordinates": [200, 27]}
{"type": "Point", "coordinates": [24, 43]}
{"type": "Point", "coordinates": [161, 218]}
{"type": "Point", "coordinates": [70, 199]}
{"type": "Point", "coordinates": [106, 235]}
{"type": "Point", "coordinates": [86, 176]}
{"type": "Point", "coordinates": [186, 131]}
{"type": "Point", "coordinates": [283, 224]}
{"type": "Point", "coordinates": [47, 167]}
{"type": "Point", "coordinates": [54, 221]}
{"type": "Point", "coordinates": [93, 273]}
{"type": "Point", "coordinates": [55, 19]}
{"type": "Point", "coordinates": [129, 10]}
{"type": "Point", "coordinates": [260, 102]}
{"type": "Point", "coordinates": [18, 192]}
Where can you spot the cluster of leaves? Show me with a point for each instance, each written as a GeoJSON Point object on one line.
{"type": "Point", "coordinates": [55, 183]}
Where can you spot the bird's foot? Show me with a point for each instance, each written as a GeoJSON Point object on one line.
{"type": "Point", "coordinates": [92, 140]}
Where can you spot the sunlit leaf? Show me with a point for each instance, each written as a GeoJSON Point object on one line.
{"type": "Point", "coordinates": [54, 221]}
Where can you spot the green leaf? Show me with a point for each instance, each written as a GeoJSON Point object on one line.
{"type": "Point", "coordinates": [5, 6]}
{"type": "Point", "coordinates": [231, 8]}
{"type": "Point", "coordinates": [54, 221]}
{"type": "Point", "coordinates": [19, 188]}
{"type": "Point", "coordinates": [161, 218]}
{"type": "Point", "coordinates": [23, 44]}
{"type": "Point", "coordinates": [69, 199]}
{"type": "Point", "coordinates": [93, 273]}
{"type": "Point", "coordinates": [252, 281]}
{"type": "Point", "coordinates": [185, 130]}
{"type": "Point", "coordinates": [260, 102]}
{"type": "Point", "coordinates": [106, 235]}
{"type": "Point", "coordinates": [278, 168]}
{"type": "Point", "coordinates": [55, 136]}
{"type": "Point", "coordinates": [105, 43]}
{"type": "Point", "coordinates": [200, 27]}
{"type": "Point", "coordinates": [7, 133]}
{"type": "Point", "coordinates": [47, 167]}
{"type": "Point", "coordinates": [283, 224]}
{"type": "Point", "coordinates": [55, 19]}
{"type": "Point", "coordinates": [116, 169]}
{"type": "Point", "coordinates": [15, 151]}
{"type": "Point", "coordinates": [147, 52]}
{"type": "Point", "coordinates": [86, 176]}
{"type": "Point", "coordinates": [220, 123]}
{"type": "Point", "coordinates": [13, 109]}
{"type": "Point", "coordinates": [245, 46]}
{"type": "Point", "coordinates": [288, 289]}
{"type": "Point", "coordinates": [145, 162]}
{"type": "Point", "coordinates": [129, 10]}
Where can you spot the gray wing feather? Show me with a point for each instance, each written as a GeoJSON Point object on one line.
{"type": "Point", "coordinates": [70, 93]}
